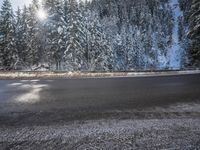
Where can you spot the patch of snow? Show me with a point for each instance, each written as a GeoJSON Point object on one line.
{"type": "Point", "coordinates": [60, 30]}
{"type": "Point", "coordinates": [175, 51]}
{"type": "Point", "coordinates": [75, 75]}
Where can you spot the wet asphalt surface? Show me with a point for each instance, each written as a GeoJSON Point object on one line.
{"type": "Point", "coordinates": [32, 104]}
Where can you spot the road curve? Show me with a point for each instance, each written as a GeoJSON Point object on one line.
{"type": "Point", "coordinates": [50, 101]}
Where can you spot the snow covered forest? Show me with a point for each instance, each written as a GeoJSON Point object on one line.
{"type": "Point", "coordinates": [100, 35]}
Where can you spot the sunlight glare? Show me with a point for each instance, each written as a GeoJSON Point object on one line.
{"type": "Point", "coordinates": [41, 14]}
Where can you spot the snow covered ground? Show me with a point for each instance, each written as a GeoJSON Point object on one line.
{"type": "Point", "coordinates": [106, 134]}
{"type": "Point", "coordinates": [52, 75]}
{"type": "Point", "coordinates": [175, 51]}
{"type": "Point", "coordinates": [172, 130]}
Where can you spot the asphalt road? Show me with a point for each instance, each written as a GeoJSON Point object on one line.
{"type": "Point", "coordinates": [44, 102]}
{"type": "Point", "coordinates": [114, 113]}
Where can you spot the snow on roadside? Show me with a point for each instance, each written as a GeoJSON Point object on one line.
{"type": "Point", "coordinates": [46, 75]}
{"type": "Point", "coordinates": [107, 134]}
{"type": "Point", "coordinates": [178, 108]}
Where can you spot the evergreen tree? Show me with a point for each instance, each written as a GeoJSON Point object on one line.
{"type": "Point", "coordinates": [130, 52]}
{"type": "Point", "coordinates": [18, 37]}
{"type": "Point", "coordinates": [194, 34]}
{"type": "Point", "coordinates": [32, 33]}
{"type": "Point", "coordinates": [7, 43]}
{"type": "Point", "coordinates": [55, 32]}
{"type": "Point", "coordinates": [74, 52]}
{"type": "Point", "coordinates": [22, 38]}
{"type": "Point", "coordinates": [99, 54]}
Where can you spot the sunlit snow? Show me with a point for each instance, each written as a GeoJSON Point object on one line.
{"type": "Point", "coordinates": [175, 51]}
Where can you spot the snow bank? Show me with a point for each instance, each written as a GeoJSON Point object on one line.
{"type": "Point", "coordinates": [74, 75]}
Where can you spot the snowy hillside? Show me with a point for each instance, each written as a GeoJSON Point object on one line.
{"type": "Point", "coordinates": [153, 29]}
